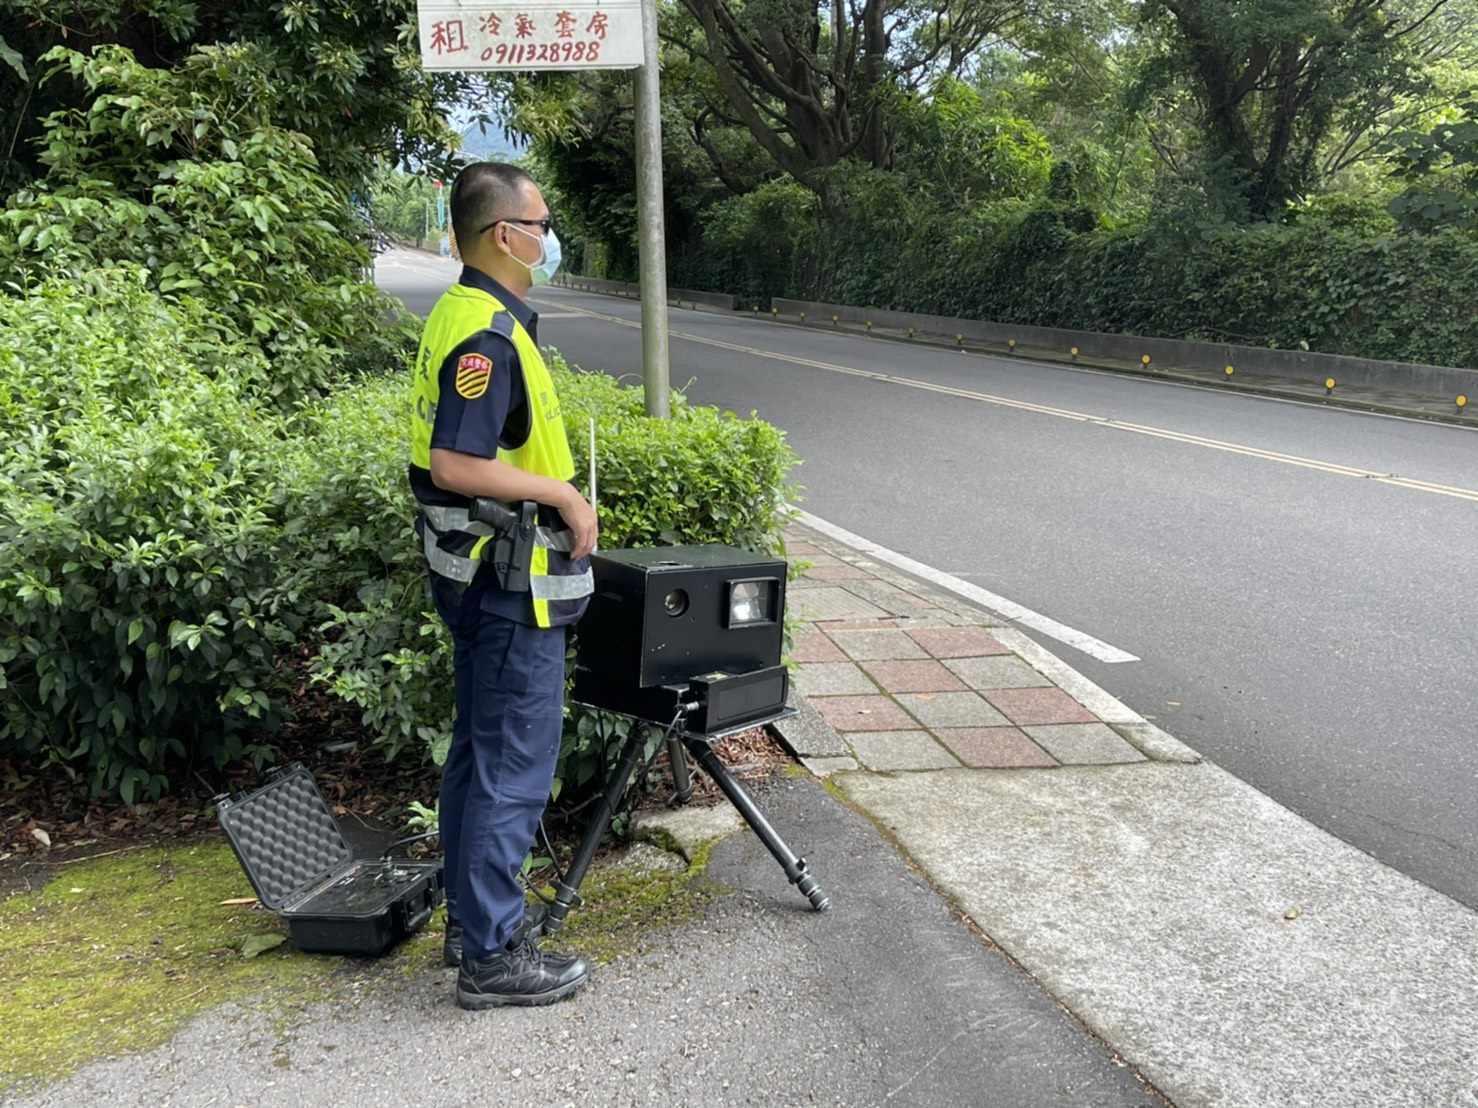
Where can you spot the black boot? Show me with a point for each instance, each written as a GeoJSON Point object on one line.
{"type": "Point", "coordinates": [534, 916]}
{"type": "Point", "coordinates": [519, 974]}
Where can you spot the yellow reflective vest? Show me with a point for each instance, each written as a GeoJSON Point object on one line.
{"type": "Point", "coordinates": [454, 544]}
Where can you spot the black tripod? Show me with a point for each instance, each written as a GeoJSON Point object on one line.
{"type": "Point", "coordinates": [566, 894]}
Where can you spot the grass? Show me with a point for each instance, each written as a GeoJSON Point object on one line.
{"type": "Point", "coordinates": [619, 909]}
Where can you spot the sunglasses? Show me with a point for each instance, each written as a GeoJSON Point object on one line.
{"type": "Point", "coordinates": [543, 224]}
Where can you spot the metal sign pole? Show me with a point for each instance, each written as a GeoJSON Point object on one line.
{"type": "Point", "coordinates": [653, 245]}
{"type": "Point", "coordinates": [481, 35]}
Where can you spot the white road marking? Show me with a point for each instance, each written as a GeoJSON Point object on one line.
{"type": "Point", "coordinates": [1078, 640]}
{"type": "Point", "coordinates": [1106, 422]}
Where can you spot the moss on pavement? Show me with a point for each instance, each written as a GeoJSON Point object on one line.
{"type": "Point", "coordinates": [117, 953]}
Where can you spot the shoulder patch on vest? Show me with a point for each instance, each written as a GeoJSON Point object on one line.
{"type": "Point", "coordinates": [473, 372]}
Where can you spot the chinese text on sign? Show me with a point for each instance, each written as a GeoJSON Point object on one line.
{"type": "Point", "coordinates": [461, 34]}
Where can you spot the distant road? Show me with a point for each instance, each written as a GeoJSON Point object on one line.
{"type": "Point", "coordinates": [1299, 583]}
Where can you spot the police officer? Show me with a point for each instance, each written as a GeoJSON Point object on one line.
{"type": "Point", "coordinates": [486, 423]}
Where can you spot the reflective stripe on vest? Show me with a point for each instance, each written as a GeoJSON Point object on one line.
{"type": "Point", "coordinates": [460, 567]}
{"type": "Point", "coordinates": [459, 519]}
{"type": "Point", "coordinates": [562, 587]}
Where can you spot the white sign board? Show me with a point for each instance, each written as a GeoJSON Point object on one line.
{"type": "Point", "coordinates": [537, 34]}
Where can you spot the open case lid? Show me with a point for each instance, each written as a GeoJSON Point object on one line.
{"type": "Point", "coordinates": [284, 835]}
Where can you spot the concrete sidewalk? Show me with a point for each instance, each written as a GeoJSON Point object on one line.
{"type": "Point", "coordinates": [1231, 951]}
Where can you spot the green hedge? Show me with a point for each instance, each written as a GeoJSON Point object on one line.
{"type": "Point", "coordinates": [139, 616]}
{"type": "Point", "coordinates": [1327, 280]}
{"type": "Point", "coordinates": [1303, 285]}
{"type": "Point", "coordinates": [170, 540]}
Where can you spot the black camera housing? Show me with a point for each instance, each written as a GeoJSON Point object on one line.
{"type": "Point", "coordinates": [694, 626]}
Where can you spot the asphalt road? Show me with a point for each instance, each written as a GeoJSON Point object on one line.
{"type": "Point", "coordinates": [759, 1001]}
{"type": "Point", "coordinates": [1300, 615]}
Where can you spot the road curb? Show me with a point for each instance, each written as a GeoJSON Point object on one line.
{"type": "Point", "coordinates": [1154, 373]}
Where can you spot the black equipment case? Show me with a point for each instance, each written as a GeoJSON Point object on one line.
{"type": "Point", "coordinates": [292, 850]}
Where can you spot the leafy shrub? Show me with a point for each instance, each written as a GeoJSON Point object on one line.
{"type": "Point", "coordinates": [758, 245]}
{"type": "Point", "coordinates": [167, 537]}
{"type": "Point", "coordinates": [181, 172]}
{"type": "Point", "coordinates": [382, 646]}
{"type": "Point", "coordinates": [139, 618]}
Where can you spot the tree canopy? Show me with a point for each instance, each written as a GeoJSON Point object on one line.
{"type": "Point", "coordinates": [344, 75]}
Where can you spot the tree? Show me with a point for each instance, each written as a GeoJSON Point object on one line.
{"type": "Point", "coordinates": [812, 80]}
{"type": "Point", "coordinates": [1440, 167]}
{"type": "Point", "coordinates": [344, 75]}
{"type": "Point", "coordinates": [1273, 78]}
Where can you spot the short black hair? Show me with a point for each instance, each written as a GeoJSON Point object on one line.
{"type": "Point", "coordinates": [483, 192]}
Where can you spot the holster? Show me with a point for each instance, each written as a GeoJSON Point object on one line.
{"type": "Point", "coordinates": [512, 550]}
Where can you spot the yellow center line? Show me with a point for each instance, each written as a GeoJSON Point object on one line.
{"type": "Point", "coordinates": [1066, 413]}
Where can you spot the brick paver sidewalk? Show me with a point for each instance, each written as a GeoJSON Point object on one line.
{"type": "Point", "coordinates": [893, 675]}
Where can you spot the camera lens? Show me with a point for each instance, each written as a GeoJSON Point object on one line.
{"type": "Point", "coordinates": [675, 603]}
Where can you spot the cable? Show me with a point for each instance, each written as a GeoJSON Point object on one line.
{"type": "Point", "coordinates": [650, 760]}
{"type": "Point", "coordinates": [403, 842]}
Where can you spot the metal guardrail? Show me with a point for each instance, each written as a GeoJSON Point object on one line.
{"type": "Point", "coordinates": [681, 297]}
{"type": "Point", "coordinates": [1213, 356]}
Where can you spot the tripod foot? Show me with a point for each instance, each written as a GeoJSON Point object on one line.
{"type": "Point", "coordinates": [795, 868]}
{"type": "Point", "coordinates": [813, 891]}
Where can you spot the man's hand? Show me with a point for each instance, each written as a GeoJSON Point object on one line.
{"type": "Point", "coordinates": [473, 476]}
{"type": "Point", "coordinates": [581, 519]}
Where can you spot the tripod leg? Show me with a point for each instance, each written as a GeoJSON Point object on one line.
{"type": "Point", "coordinates": [795, 868]}
{"type": "Point", "coordinates": [566, 894]}
{"type": "Point", "coordinates": [682, 776]}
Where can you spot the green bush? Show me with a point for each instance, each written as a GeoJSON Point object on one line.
{"type": "Point", "coordinates": [140, 616]}
{"type": "Point", "coordinates": [170, 539]}
{"type": "Point", "coordinates": [759, 245]}
{"type": "Point", "coordinates": [182, 173]}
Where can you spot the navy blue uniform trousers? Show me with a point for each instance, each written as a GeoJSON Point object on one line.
{"type": "Point", "coordinates": [509, 680]}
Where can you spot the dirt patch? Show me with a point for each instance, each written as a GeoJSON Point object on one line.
{"type": "Point", "coordinates": [368, 796]}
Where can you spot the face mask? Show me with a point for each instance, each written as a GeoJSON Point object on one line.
{"type": "Point", "coordinates": [548, 266]}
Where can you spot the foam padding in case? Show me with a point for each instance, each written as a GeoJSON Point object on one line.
{"type": "Point", "coordinates": [285, 836]}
